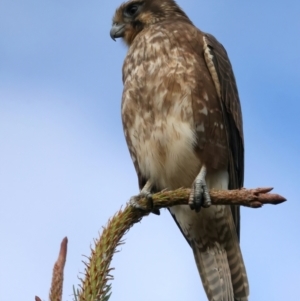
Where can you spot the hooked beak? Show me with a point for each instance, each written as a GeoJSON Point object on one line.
{"type": "Point", "coordinates": [117, 31]}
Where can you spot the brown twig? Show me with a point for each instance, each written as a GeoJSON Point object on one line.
{"type": "Point", "coordinates": [253, 198]}
{"type": "Point", "coordinates": [58, 273]}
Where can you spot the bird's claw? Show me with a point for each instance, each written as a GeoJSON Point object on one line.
{"type": "Point", "coordinates": [199, 196]}
{"type": "Point", "coordinates": [135, 202]}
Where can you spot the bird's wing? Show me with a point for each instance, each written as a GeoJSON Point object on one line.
{"type": "Point", "coordinates": [221, 71]}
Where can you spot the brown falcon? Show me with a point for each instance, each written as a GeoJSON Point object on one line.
{"type": "Point", "coordinates": [183, 126]}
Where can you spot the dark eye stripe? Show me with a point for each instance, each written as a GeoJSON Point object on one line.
{"type": "Point", "coordinates": [131, 10]}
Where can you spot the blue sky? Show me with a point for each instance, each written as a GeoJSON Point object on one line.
{"type": "Point", "coordinates": [64, 164]}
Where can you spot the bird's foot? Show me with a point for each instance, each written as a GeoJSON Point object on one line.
{"type": "Point", "coordinates": [199, 196]}
{"type": "Point", "coordinates": [135, 202]}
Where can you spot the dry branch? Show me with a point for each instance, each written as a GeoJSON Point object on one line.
{"type": "Point", "coordinates": [58, 273]}
{"type": "Point", "coordinates": [253, 198]}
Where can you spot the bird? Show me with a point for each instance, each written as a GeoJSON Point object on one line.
{"type": "Point", "coordinates": [182, 122]}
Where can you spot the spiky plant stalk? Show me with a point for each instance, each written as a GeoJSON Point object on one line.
{"type": "Point", "coordinates": [97, 272]}
{"type": "Point", "coordinates": [94, 286]}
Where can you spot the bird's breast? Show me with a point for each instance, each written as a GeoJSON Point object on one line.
{"type": "Point", "coordinates": [160, 88]}
{"type": "Point", "coordinates": [165, 152]}
{"type": "Point", "coordinates": [162, 141]}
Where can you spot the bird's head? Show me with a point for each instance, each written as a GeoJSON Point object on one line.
{"type": "Point", "coordinates": [134, 15]}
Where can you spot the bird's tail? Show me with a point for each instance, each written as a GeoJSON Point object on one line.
{"type": "Point", "coordinates": [219, 261]}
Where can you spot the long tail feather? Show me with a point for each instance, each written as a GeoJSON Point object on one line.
{"type": "Point", "coordinates": [220, 262]}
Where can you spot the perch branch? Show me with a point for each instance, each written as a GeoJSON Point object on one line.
{"type": "Point", "coordinates": [94, 286]}
{"type": "Point", "coordinates": [253, 198]}
{"type": "Point", "coordinates": [97, 270]}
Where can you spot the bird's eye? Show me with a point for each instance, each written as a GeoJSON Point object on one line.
{"type": "Point", "coordinates": [131, 10]}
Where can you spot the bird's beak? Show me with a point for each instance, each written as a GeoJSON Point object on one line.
{"type": "Point", "coordinates": [117, 31]}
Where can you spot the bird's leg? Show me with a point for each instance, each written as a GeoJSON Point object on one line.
{"type": "Point", "coordinates": [145, 193]}
{"type": "Point", "coordinates": [199, 196]}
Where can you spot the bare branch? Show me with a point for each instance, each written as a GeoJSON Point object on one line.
{"type": "Point", "coordinates": [253, 198]}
